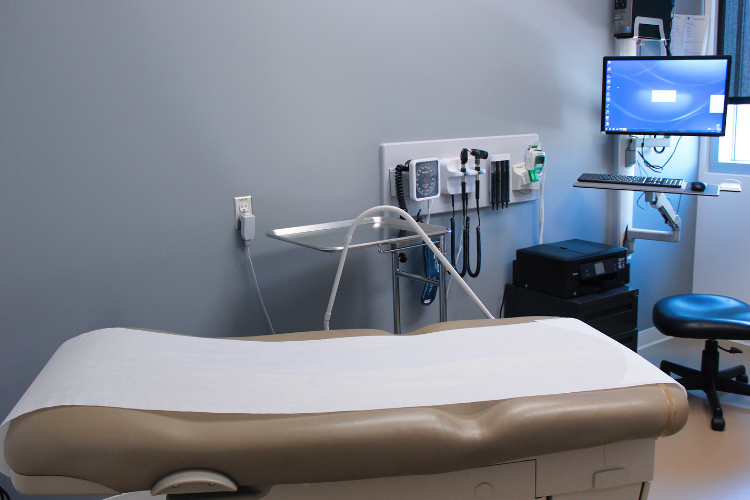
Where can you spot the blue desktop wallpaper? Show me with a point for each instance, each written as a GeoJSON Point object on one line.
{"type": "Point", "coordinates": [664, 96]}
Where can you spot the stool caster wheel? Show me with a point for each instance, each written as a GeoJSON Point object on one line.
{"type": "Point", "coordinates": [742, 378]}
{"type": "Point", "coordinates": [718, 424]}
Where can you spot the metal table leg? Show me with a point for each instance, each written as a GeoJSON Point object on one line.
{"type": "Point", "coordinates": [397, 274]}
{"type": "Point", "coordinates": [442, 289]}
{"type": "Point", "coordinates": [396, 295]}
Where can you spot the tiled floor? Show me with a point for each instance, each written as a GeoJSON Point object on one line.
{"type": "Point", "coordinates": [698, 463]}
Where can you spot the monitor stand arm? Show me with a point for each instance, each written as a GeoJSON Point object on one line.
{"type": "Point", "coordinates": [660, 202]}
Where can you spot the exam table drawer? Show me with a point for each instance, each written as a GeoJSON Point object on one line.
{"type": "Point", "coordinates": [510, 481]}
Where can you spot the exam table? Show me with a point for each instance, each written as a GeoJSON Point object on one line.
{"type": "Point", "coordinates": [583, 444]}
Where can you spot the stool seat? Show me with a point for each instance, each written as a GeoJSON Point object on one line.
{"type": "Point", "coordinates": [698, 316]}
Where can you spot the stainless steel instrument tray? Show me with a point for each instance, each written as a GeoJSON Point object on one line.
{"type": "Point", "coordinates": [371, 232]}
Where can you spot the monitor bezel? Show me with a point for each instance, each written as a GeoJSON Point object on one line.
{"type": "Point", "coordinates": [671, 58]}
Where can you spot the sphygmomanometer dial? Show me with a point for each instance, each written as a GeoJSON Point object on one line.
{"type": "Point", "coordinates": [427, 180]}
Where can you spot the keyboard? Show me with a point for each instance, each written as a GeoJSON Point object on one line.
{"type": "Point", "coordinates": [632, 180]}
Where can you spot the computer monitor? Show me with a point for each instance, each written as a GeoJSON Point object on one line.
{"type": "Point", "coordinates": [665, 95]}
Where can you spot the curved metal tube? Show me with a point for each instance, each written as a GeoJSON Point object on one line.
{"type": "Point", "coordinates": [410, 220]}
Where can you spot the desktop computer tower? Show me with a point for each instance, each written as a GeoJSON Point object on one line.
{"type": "Point", "coordinates": [627, 13]}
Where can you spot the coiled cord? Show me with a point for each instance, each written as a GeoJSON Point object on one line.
{"type": "Point", "coordinates": [467, 248]}
{"type": "Point", "coordinates": [464, 233]}
{"type": "Point", "coordinates": [4, 494]}
{"type": "Point", "coordinates": [400, 187]}
{"type": "Point", "coordinates": [453, 232]}
{"type": "Point", "coordinates": [475, 273]}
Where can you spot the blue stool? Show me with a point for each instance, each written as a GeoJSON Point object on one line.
{"type": "Point", "coordinates": [710, 317]}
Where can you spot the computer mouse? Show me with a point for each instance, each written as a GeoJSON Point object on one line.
{"type": "Point", "coordinates": [698, 186]}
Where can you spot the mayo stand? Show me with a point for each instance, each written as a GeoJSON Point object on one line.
{"type": "Point", "coordinates": [373, 232]}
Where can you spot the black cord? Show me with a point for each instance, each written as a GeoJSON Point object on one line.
{"type": "Point", "coordinates": [478, 155]}
{"type": "Point", "coordinates": [673, 152]}
{"type": "Point", "coordinates": [453, 232]}
{"type": "Point", "coordinates": [467, 249]}
{"type": "Point", "coordinates": [678, 204]}
{"type": "Point", "coordinates": [400, 187]}
{"type": "Point", "coordinates": [467, 236]}
{"type": "Point", "coordinates": [479, 221]}
{"type": "Point", "coordinates": [475, 273]}
{"type": "Point", "coordinates": [4, 494]}
{"type": "Point", "coordinates": [651, 166]}
{"type": "Point", "coordinates": [643, 174]}
{"type": "Point", "coordinates": [655, 168]}
{"type": "Point", "coordinates": [464, 233]}
{"type": "Point", "coordinates": [502, 304]}
{"type": "Point", "coordinates": [659, 152]}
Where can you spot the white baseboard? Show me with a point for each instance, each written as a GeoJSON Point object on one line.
{"type": "Point", "coordinates": [650, 336]}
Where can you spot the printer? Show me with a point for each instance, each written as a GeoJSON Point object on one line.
{"type": "Point", "coordinates": [571, 268]}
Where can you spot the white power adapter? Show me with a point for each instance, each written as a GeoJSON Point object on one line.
{"type": "Point", "coordinates": [247, 231]}
{"type": "Point", "coordinates": [247, 226]}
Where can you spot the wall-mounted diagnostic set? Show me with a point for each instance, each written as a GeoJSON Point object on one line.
{"type": "Point", "coordinates": [432, 172]}
{"type": "Point", "coordinates": [432, 177]}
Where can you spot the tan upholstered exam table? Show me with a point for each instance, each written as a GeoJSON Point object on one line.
{"type": "Point", "coordinates": [490, 409]}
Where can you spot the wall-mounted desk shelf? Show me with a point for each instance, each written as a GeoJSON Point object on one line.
{"type": "Point", "coordinates": [711, 189]}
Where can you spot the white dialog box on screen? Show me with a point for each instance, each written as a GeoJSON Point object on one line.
{"type": "Point", "coordinates": [716, 105]}
{"type": "Point", "coordinates": [663, 95]}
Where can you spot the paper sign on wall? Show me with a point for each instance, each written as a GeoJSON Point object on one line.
{"type": "Point", "coordinates": [689, 36]}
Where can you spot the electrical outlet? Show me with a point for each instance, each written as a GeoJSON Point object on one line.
{"type": "Point", "coordinates": [242, 204]}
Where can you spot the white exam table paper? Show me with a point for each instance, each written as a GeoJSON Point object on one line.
{"type": "Point", "coordinates": [144, 370]}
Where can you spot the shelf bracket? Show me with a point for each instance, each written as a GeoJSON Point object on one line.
{"type": "Point", "coordinates": [660, 202]}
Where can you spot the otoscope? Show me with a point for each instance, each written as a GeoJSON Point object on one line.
{"type": "Point", "coordinates": [464, 213]}
{"type": "Point", "coordinates": [478, 155]}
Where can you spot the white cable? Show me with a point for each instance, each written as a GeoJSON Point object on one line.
{"type": "Point", "coordinates": [541, 210]}
{"type": "Point", "coordinates": [257, 287]}
{"type": "Point", "coordinates": [409, 220]}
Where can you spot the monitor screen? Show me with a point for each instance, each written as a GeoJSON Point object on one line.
{"type": "Point", "coordinates": [665, 95]}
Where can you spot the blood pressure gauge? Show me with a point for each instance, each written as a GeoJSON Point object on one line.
{"type": "Point", "coordinates": [424, 179]}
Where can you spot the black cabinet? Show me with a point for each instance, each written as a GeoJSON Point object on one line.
{"type": "Point", "coordinates": [613, 312]}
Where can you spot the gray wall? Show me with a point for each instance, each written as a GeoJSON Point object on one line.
{"type": "Point", "coordinates": [127, 127]}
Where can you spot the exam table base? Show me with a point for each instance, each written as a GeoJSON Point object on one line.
{"type": "Point", "coordinates": [620, 471]}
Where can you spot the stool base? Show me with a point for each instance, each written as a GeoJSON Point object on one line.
{"type": "Point", "coordinates": [710, 379]}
